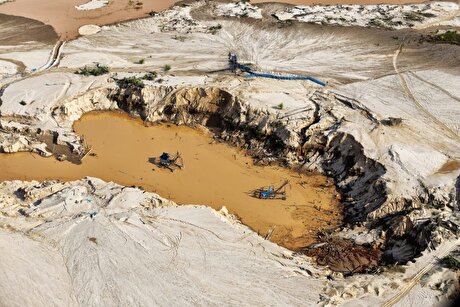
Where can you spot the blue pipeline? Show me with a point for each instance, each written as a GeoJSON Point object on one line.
{"type": "Point", "coordinates": [254, 74]}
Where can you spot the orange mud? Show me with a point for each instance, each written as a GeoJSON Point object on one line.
{"type": "Point", "coordinates": [215, 175]}
{"type": "Point", "coordinates": [66, 19]}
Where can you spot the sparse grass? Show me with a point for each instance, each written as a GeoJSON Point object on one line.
{"type": "Point", "coordinates": [129, 82]}
{"type": "Point", "coordinates": [96, 70]}
{"type": "Point", "coordinates": [166, 68]}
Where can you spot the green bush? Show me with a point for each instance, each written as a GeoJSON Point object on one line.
{"type": "Point", "coordinates": [214, 29]}
{"type": "Point", "coordinates": [451, 37]}
{"type": "Point", "coordinates": [96, 70]}
{"type": "Point", "coordinates": [130, 82]}
{"type": "Point", "coordinates": [150, 76]}
{"type": "Point", "coordinates": [166, 68]}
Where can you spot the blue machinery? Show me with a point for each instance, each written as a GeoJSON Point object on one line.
{"type": "Point", "coordinates": [234, 65]}
{"type": "Point", "coordinates": [271, 192]}
{"type": "Point", "coordinates": [170, 162]}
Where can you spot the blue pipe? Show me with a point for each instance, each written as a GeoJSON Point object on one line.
{"type": "Point", "coordinates": [254, 74]}
{"type": "Point", "coordinates": [251, 73]}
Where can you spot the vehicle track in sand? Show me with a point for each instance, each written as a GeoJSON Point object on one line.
{"type": "Point", "coordinates": [436, 22]}
{"type": "Point", "coordinates": [416, 278]}
{"type": "Point", "coordinates": [435, 86]}
{"type": "Point", "coordinates": [417, 103]}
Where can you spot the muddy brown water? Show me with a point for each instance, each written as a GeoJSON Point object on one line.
{"type": "Point", "coordinates": [215, 174]}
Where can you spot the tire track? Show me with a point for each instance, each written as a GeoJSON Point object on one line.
{"type": "Point", "coordinates": [419, 106]}
{"type": "Point", "coordinates": [416, 278]}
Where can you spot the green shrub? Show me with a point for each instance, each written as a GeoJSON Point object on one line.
{"type": "Point", "coordinates": [96, 70]}
{"type": "Point", "coordinates": [141, 61]}
{"type": "Point", "coordinates": [451, 37]}
{"type": "Point", "coordinates": [130, 82]}
{"type": "Point", "coordinates": [166, 68]}
{"type": "Point", "coordinates": [214, 29]}
{"type": "Point", "coordinates": [150, 76]}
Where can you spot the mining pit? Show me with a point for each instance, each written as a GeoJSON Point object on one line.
{"type": "Point", "coordinates": [214, 174]}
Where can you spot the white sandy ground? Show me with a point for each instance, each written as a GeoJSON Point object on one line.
{"type": "Point", "coordinates": [92, 5]}
{"type": "Point", "coordinates": [91, 243]}
{"type": "Point", "coordinates": [31, 59]}
{"type": "Point", "coordinates": [239, 9]}
{"type": "Point", "coordinates": [89, 29]}
{"type": "Point", "coordinates": [381, 15]}
{"type": "Point", "coordinates": [252, 273]}
{"type": "Point", "coordinates": [7, 68]}
{"type": "Point", "coordinates": [146, 251]}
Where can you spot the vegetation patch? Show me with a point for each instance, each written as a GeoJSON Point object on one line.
{"type": "Point", "coordinates": [450, 37]}
{"type": "Point", "coordinates": [214, 29]}
{"type": "Point", "coordinates": [150, 76]}
{"type": "Point", "coordinates": [130, 82]}
{"type": "Point", "coordinates": [96, 70]}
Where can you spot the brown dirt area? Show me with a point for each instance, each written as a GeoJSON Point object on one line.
{"type": "Point", "coordinates": [66, 19]}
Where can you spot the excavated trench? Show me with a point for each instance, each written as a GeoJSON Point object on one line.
{"type": "Point", "coordinates": [310, 215]}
